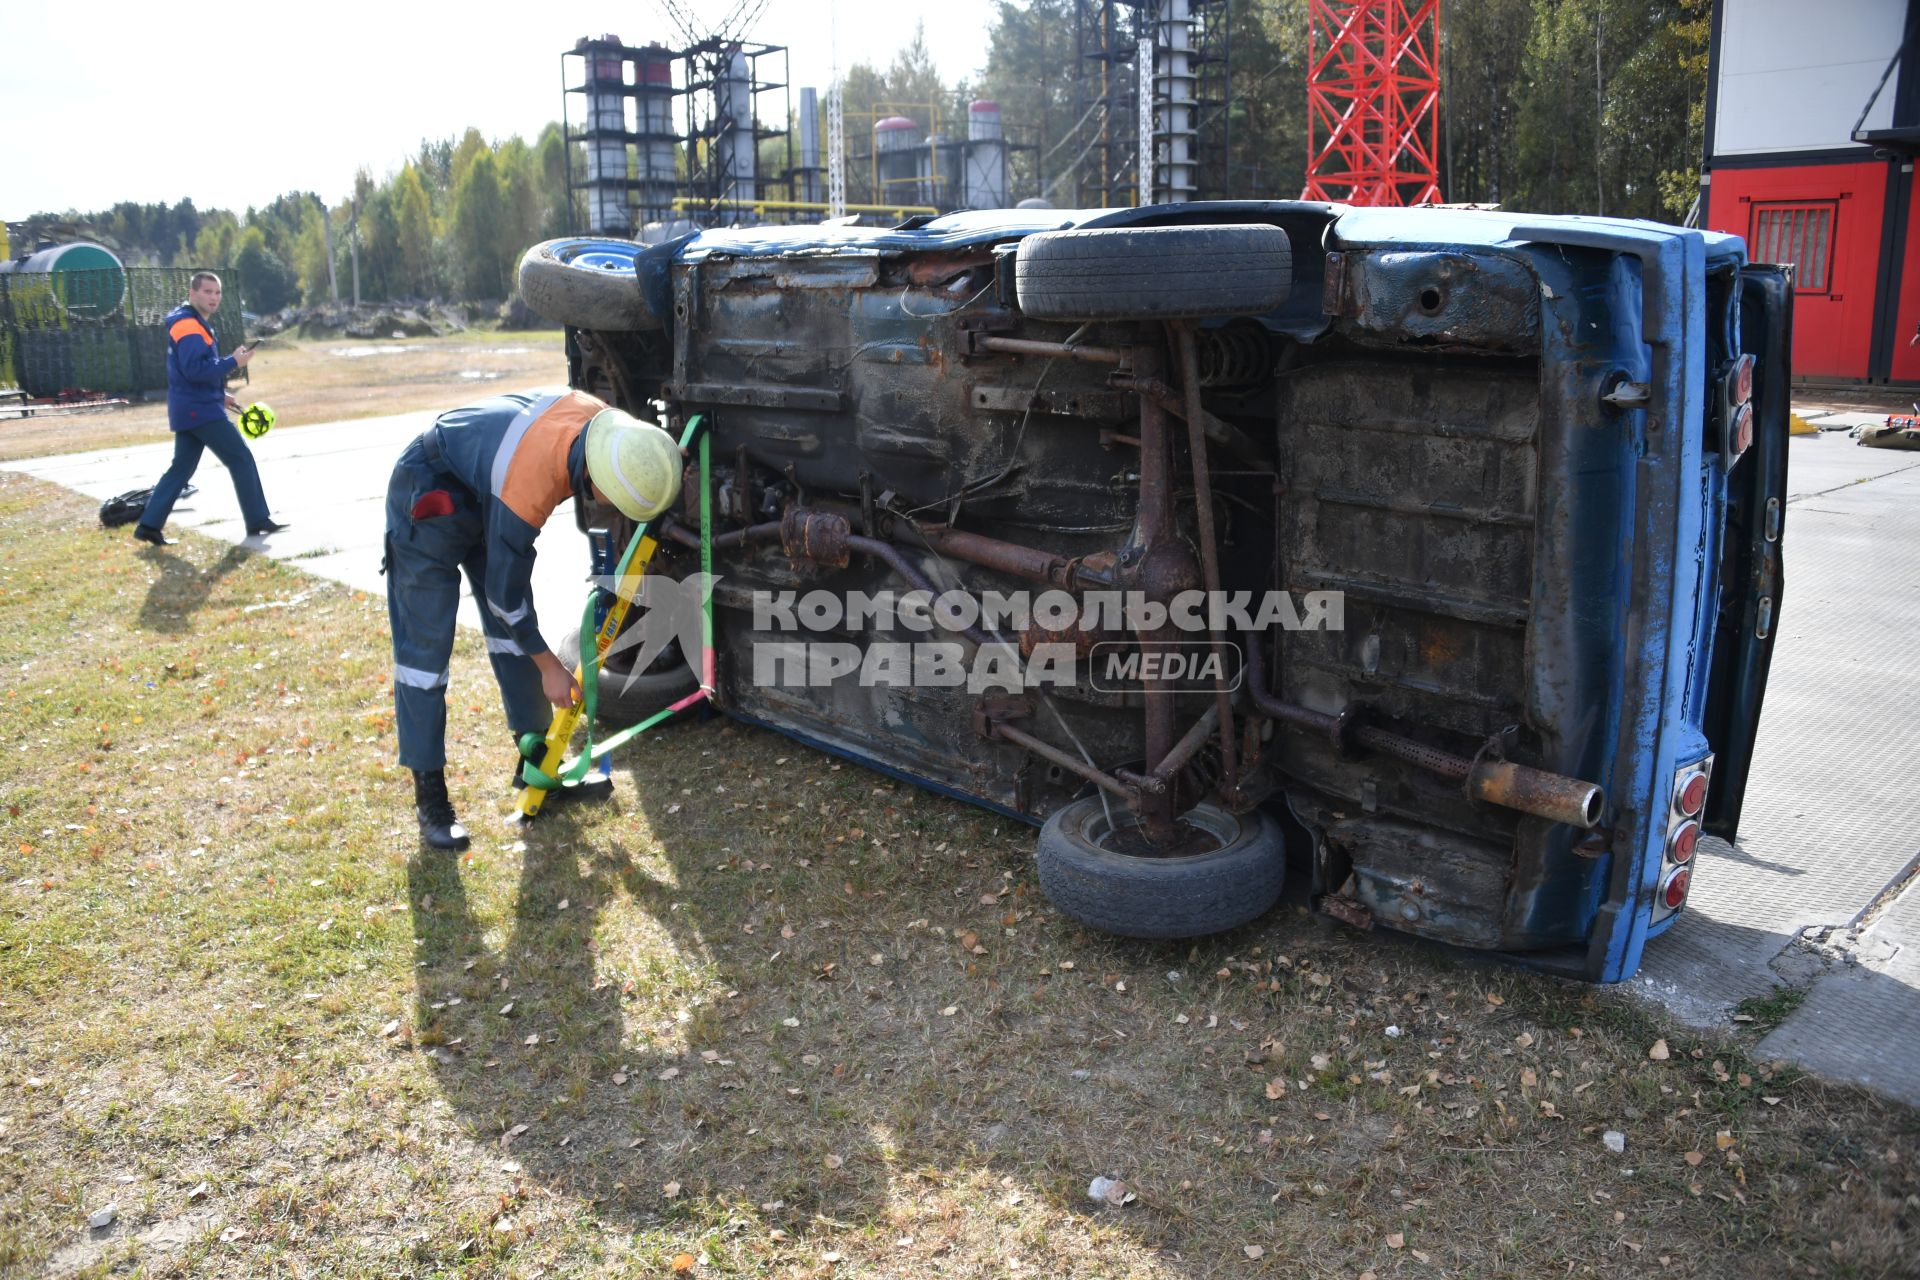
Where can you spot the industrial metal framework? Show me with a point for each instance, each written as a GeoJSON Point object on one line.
{"type": "Point", "coordinates": [1190, 82]}
{"type": "Point", "coordinates": [1373, 92]}
{"type": "Point", "coordinates": [640, 167]}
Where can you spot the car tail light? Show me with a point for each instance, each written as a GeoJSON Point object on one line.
{"type": "Point", "coordinates": [1736, 409]}
{"type": "Point", "coordinates": [1674, 892]}
{"type": "Point", "coordinates": [1692, 783]}
{"type": "Point", "coordinates": [1685, 837]}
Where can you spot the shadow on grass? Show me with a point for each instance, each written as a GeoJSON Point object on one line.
{"type": "Point", "coordinates": [742, 1045]}
{"type": "Point", "coordinates": [183, 588]}
{"type": "Point", "coordinates": [718, 1063]}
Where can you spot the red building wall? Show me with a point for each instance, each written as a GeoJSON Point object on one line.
{"type": "Point", "coordinates": [1906, 320]}
{"type": "Point", "coordinates": [1827, 219]}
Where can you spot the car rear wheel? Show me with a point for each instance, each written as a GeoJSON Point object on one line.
{"type": "Point", "coordinates": [622, 701]}
{"type": "Point", "coordinates": [1087, 874]}
{"type": "Point", "coordinates": [1153, 273]}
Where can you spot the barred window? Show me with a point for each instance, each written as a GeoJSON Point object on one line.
{"type": "Point", "coordinates": [1800, 233]}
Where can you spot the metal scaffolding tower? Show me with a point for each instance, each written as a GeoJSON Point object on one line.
{"type": "Point", "coordinates": [1182, 115]}
{"type": "Point", "coordinates": [1373, 92]}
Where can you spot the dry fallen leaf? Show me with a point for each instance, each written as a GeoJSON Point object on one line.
{"type": "Point", "coordinates": [1524, 1040]}
{"type": "Point", "coordinates": [950, 1010]}
{"type": "Point", "coordinates": [1254, 1251]}
{"type": "Point", "coordinates": [1693, 1157]}
{"type": "Point", "coordinates": [682, 1262]}
{"type": "Point", "coordinates": [670, 1190]}
{"type": "Point", "coordinates": [1659, 1052]}
{"type": "Point", "coordinates": [1723, 1139]}
{"type": "Point", "coordinates": [1495, 998]}
{"type": "Point", "coordinates": [833, 1161]}
{"type": "Point", "coordinates": [671, 1073]}
{"type": "Point", "coordinates": [1276, 1089]}
{"type": "Point", "coordinates": [1396, 1241]}
{"type": "Point", "coordinates": [1529, 1077]}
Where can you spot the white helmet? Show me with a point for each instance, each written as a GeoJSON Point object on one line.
{"type": "Point", "coordinates": [634, 463]}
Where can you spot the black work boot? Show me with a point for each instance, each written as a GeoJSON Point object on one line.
{"type": "Point", "coordinates": [154, 536]}
{"type": "Point", "coordinates": [439, 827]}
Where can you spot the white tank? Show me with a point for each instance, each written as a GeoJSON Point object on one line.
{"type": "Point", "coordinates": [810, 145]}
{"type": "Point", "coordinates": [606, 143]}
{"type": "Point", "coordinates": [733, 101]}
{"type": "Point", "coordinates": [985, 181]}
{"type": "Point", "coordinates": [897, 154]}
{"type": "Point", "coordinates": [653, 121]}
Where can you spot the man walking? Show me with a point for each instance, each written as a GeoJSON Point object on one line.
{"type": "Point", "coordinates": [197, 402]}
{"type": "Point", "coordinates": [471, 493]}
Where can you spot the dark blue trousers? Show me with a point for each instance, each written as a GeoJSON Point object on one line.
{"type": "Point", "coordinates": [224, 439]}
{"type": "Point", "coordinates": [425, 558]}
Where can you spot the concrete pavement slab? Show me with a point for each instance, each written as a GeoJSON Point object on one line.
{"type": "Point", "coordinates": [1831, 815]}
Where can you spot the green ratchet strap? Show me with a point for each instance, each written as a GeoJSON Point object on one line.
{"type": "Point", "coordinates": [532, 744]}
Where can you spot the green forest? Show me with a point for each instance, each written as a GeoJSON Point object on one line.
{"type": "Point", "coordinates": [1585, 106]}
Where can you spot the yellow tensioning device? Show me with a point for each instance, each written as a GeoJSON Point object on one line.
{"type": "Point", "coordinates": [551, 754]}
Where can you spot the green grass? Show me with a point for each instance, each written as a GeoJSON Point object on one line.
{"type": "Point", "coordinates": [743, 1025]}
{"type": "Point", "coordinates": [1761, 1014]}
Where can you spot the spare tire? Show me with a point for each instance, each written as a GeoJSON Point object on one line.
{"type": "Point", "coordinates": [587, 283]}
{"type": "Point", "coordinates": [1143, 896]}
{"type": "Point", "coordinates": [620, 700]}
{"type": "Point", "coordinates": [1153, 273]}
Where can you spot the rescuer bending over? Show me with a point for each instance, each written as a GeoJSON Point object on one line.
{"type": "Point", "coordinates": [471, 493]}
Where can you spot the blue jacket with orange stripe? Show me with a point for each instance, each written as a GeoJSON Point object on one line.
{"type": "Point", "coordinates": [196, 371]}
{"type": "Point", "coordinates": [521, 455]}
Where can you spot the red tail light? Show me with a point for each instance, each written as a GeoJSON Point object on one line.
{"type": "Point", "coordinates": [1685, 837]}
{"type": "Point", "coordinates": [1691, 794]}
{"type": "Point", "coordinates": [1741, 389]}
{"type": "Point", "coordinates": [1675, 891]}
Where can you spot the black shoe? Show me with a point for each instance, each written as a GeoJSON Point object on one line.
{"type": "Point", "coordinates": [154, 536]}
{"type": "Point", "coordinates": [262, 530]}
{"type": "Point", "coordinates": [438, 825]}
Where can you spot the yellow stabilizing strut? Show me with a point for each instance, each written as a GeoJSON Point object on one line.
{"type": "Point", "coordinates": [567, 719]}
{"type": "Point", "coordinates": [633, 567]}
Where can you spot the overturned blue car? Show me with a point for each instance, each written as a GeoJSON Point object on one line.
{"type": "Point", "coordinates": [1432, 555]}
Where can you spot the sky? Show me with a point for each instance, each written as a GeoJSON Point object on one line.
{"type": "Point", "coordinates": [234, 104]}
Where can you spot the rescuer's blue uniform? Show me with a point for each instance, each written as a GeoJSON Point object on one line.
{"type": "Point", "coordinates": [197, 412]}
{"type": "Point", "coordinates": [471, 493]}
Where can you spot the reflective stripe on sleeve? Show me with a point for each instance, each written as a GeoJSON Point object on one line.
{"type": "Point", "coordinates": [511, 619]}
{"type": "Point", "coordinates": [500, 644]}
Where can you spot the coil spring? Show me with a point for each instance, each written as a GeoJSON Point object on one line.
{"type": "Point", "coordinates": [1233, 356]}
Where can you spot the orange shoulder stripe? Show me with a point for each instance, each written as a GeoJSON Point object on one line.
{"type": "Point", "coordinates": [536, 480]}
{"type": "Point", "coordinates": [187, 327]}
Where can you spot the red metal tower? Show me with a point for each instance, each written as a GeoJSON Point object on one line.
{"type": "Point", "coordinates": [1373, 93]}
